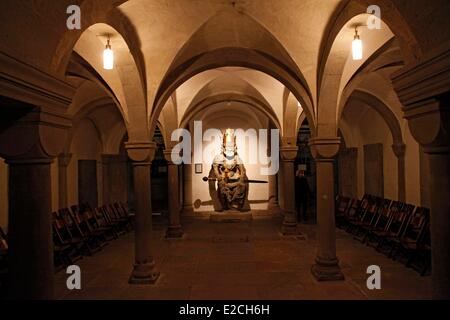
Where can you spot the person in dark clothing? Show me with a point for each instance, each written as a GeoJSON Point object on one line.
{"type": "Point", "coordinates": [302, 193]}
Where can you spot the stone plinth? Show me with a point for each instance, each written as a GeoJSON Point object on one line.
{"type": "Point", "coordinates": [230, 216]}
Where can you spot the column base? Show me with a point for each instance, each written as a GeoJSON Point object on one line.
{"type": "Point", "coordinates": [174, 232]}
{"type": "Point", "coordinates": [289, 228]}
{"type": "Point", "coordinates": [144, 273]}
{"type": "Point", "coordinates": [327, 270]}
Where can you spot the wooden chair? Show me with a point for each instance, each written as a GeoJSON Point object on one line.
{"type": "Point", "coordinates": [123, 215]}
{"type": "Point", "coordinates": [364, 214]}
{"type": "Point", "coordinates": [379, 211]}
{"type": "Point", "coordinates": [96, 238]}
{"type": "Point", "coordinates": [62, 236]}
{"type": "Point", "coordinates": [76, 234]}
{"type": "Point", "coordinates": [412, 238]}
{"type": "Point", "coordinates": [110, 218]}
{"type": "Point", "coordinates": [395, 228]}
{"type": "Point", "coordinates": [356, 213]}
{"type": "Point", "coordinates": [382, 223]}
{"type": "Point", "coordinates": [65, 253]}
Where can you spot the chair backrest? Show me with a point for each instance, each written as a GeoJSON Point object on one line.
{"type": "Point", "coordinates": [399, 219]}
{"type": "Point", "coordinates": [61, 230]}
{"type": "Point", "coordinates": [416, 224]}
{"type": "Point", "coordinates": [384, 215]}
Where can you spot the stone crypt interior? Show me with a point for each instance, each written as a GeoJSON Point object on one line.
{"type": "Point", "coordinates": [86, 169]}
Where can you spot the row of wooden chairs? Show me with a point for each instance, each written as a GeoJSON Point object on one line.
{"type": "Point", "coordinates": [394, 227]}
{"type": "Point", "coordinates": [82, 230]}
{"type": "Point", "coordinates": [77, 232]}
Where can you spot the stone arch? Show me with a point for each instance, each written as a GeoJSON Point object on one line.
{"type": "Point", "coordinates": [389, 56]}
{"type": "Point", "coordinates": [252, 102]}
{"type": "Point", "coordinates": [390, 15]}
{"type": "Point", "coordinates": [108, 138]}
{"type": "Point", "coordinates": [100, 11]}
{"type": "Point", "coordinates": [126, 80]}
{"type": "Point", "coordinates": [382, 109]}
{"type": "Point", "coordinates": [337, 68]}
{"type": "Point", "coordinates": [205, 51]}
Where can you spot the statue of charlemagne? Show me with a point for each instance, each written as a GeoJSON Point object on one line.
{"type": "Point", "coordinates": [229, 171]}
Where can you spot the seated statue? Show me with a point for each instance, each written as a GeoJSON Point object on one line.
{"type": "Point", "coordinates": [229, 171]}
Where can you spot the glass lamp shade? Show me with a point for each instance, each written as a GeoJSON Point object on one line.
{"type": "Point", "coordinates": [357, 49]}
{"type": "Point", "coordinates": [108, 59]}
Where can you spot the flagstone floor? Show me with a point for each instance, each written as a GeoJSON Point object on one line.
{"type": "Point", "coordinates": [245, 260]}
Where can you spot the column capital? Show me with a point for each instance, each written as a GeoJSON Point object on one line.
{"type": "Point", "coordinates": [324, 148]}
{"type": "Point", "coordinates": [36, 135]}
{"type": "Point", "coordinates": [399, 150]}
{"type": "Point", "coordinates": [423, 90]}
{"type": "Point", "coordinates": [288, 153]}
{"type": "Point", "coordinates": [64, 159]}
{"type": "Point", "coordinates": [141, 151]}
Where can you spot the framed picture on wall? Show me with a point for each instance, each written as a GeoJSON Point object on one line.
{"type": "Point", "coordinates": [198, 168]}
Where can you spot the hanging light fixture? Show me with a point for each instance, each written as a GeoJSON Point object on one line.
{"type": "Point", "coordinates": [357, 49]}
{"type": "Point", "coordinates": [108, 56]}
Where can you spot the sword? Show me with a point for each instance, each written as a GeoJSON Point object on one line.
{"type": "Point", "coordinates": [249, 181]}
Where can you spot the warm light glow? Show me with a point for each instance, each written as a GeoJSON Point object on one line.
{"type": "Point", "coordinates": [357, 48]}
{"type": "Point", "coordinates": [108, 57]}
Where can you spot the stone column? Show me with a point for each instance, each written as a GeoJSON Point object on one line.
{"type": "Point", "coordinates": [29, 147]}
{"type": "Point", "coordinates": [174, 229]}
{"type": "Point", "coordinates": [288, 154]}
{"type": "Point", "coordinates": [326, 267]}
{"type": "Point", "coordinates": [144, 270]}
{"type": "Point", "coordinates": [423, 89]}
{"type": "Point", "coordinates": [399, 151]}
{"type": "Point", "coordinates": [273, 193]}
{"type": "Point", "coordinates": [188, 207]}
{"type": "Point", "coordinates": [63, 162]}
{"type": "Point", "coordinates": [30, 237]}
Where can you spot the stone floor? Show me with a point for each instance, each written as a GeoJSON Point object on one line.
{"type": "Point", "coordinates": [245, 260]}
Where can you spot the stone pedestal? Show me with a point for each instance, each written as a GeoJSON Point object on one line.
{"type": "Point", "coordinates": [174, 229]}
{"type": "Point", "coordinates": [230, 216]}
{"type": "Point", "coordinates": [288, 155]}
{"type": "Point", "coordinates": [144, 270]}
{"type": "Point", "coordinates": [326, 267]}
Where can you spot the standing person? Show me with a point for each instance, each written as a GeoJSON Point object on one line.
{"type": "Point", "coordinates": [302, 193]}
